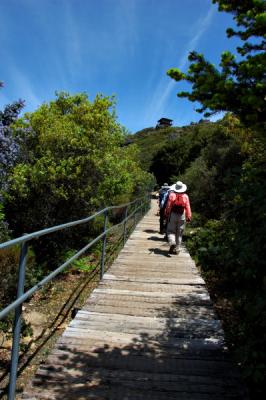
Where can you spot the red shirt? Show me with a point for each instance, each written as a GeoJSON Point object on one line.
{"type": "Point", "coordinates": [171, 201]}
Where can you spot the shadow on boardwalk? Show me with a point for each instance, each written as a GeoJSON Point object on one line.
{"type": "Point", "coordinates": [147, 333]}
{"type": "Point", "coordinates": [174, 360]}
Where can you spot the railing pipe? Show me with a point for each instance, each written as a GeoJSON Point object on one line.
{"type": "Point", "coordinates": [103, 243]}
{"type": "Point", "coordinates": [17, 323]}
{"type": "Point", "coordinates": [53, 274]}
{"type": "Point", "coordinates": [125, 228]}
{"type": "Point", "coordinates": [135, 217]}
{"type": "Point", "coordinates": [36, 235]}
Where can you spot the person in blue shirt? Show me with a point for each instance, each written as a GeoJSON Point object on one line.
{"type": "Point", "coordinates": [163, 194]}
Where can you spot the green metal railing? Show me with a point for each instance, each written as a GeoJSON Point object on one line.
{"type": "Point", "coordinates": [140, 205]}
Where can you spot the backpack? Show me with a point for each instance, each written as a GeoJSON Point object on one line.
{"type": "Point", "coordinates": [179, 204]}
{"type": "Point", "coordinates": [162, 197]}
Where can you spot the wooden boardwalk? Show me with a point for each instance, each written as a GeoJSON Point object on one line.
{"type": "Point", "coordinates": [147, 332]}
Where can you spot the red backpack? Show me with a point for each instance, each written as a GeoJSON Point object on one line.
{"type": "Point", "coordinates": [179, 203]}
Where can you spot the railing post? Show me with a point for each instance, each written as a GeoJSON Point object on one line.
{"type": "Point", "coordinates": [148, 200]}
{"type": "Point", "coordinates": [135, 217]}
{"type": "Point", "coordinates": [145, 204]}
{"type": "Point", "coordinates": [17, 323]}
{"type": "Point", "coordinates": [103, 243]}
{"type": "Point", "coordinates": [125, 228]}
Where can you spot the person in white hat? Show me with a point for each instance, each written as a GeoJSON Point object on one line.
{"type": "Point", "coordinates": [177, 212]}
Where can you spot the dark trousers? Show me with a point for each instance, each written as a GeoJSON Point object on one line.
{"type": "Point", "coordinates": [162, 221]}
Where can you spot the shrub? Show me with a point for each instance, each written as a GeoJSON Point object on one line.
{"type": "Point", "coordinates": [9, 261]}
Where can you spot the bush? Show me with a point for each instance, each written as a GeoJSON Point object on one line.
{"type": "Point", "coordinates": [9, 261]}
{"type": "Point", "coordinates": [231, 273]}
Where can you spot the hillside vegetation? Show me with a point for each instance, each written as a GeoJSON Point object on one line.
{"type": "Point", "coordinates": [152, 143]}
{"type": "Point", "coordinates": [151, 140]}
{"type": "Point", "coordinates": [224, 167]}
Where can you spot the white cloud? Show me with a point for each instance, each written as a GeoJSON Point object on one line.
{"type": "Point", "coordinates": [201, 27]}
{"type": "Point", "coordinates": [158, 103]}
{"type": "Point", "coordinates": [25, 88]}
{"type": "Point", "coordinates": [72, 40]}
{"type": "Point", "coordinates": [126, 26]}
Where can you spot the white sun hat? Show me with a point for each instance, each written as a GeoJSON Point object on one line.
{"type": "Point", "coordinates": [178, 187]}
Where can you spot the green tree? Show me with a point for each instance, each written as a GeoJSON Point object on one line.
{"type": "Point", "coordinates": [75, 165]}
{"type": "Point", "coordinates": [236, 86]}
{"type": "Point", "coordinates": [214, 174]}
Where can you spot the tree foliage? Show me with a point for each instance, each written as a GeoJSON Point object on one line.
{"type": "Point", "coordinates": [237, 86]}
{"type": "Point", "coordinates": [75, 164]}
{"type": "Point", "coordinates": [9, 154]}
{"type": "Point", "coordinates": [226, 182]}
{"type": "Point", "coordinates": [9, 145]}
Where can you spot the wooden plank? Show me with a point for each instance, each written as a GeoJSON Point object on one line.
{"type": "Point", "coordinates": [117, 392]}
{"type": "Point", "coordinates": [146, 381]}
{"type": "Point", "coordinates": [133, 340]}
{"type": "Point", "coordinates": [155, 264]}
{"type": "Point", "coordinates": [177, 298]}
{"type": "Point", "coordinates": [98, 342]}
{"type": "Point", "coordinates": [84, 315]}
{"type": "Point", "coordinates": [172, 289]}
{"type": "Point", "coordinates": [189, 280]}
{"type": "Point", "coordinates": [114, 360]}
{"type": "Point", "coordinates": [144, 378]}
{"type": "Point", "coordinates": [148, 309]}
{"type": "Point", "coordinates": [151, 274]}
{"type": "Point", "coordinates": [179, 327]}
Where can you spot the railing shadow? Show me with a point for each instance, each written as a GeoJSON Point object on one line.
{"type": "Point", "coordinates": [26, 356]}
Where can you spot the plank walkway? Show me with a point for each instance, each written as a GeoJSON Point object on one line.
{"type": "Point", "coordinates": [147, 332]}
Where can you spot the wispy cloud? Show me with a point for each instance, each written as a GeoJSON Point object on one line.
{"type": "Point", "coordinates": [25, 87]}
{"type": "Point", "coordinates": [158, 103]}
{"type": "Point", "coordinates": [17, 85]}
{"type": "Point", "coordinates": [101, 42]}
{"type": "Point", "coordinates": [72, 40]}
{"type": "Point", "coordinates": [127, 26]}
{"type": "Point", "coordinates": [201, 27]}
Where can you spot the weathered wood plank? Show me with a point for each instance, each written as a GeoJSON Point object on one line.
{"type": "Point", "coordinates": [172, 289]}
{"type": "Point", "coordinates": [188, 279]}
{"type": "Point", "coordinates": [148, 310]}
{"type": "Point", "coordinates": [116, 360]}
{"type": "Point", "coordinates": [177, 327]}
{"type": "Point", "coordinates": [159, 290]}
{"type": "Point", "coordinates": [99, 342]}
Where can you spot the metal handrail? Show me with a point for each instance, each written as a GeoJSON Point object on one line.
{"type": "Point", "coordinates": [22, 297]}
{"type": "Point", "coordinates": [37, 234]}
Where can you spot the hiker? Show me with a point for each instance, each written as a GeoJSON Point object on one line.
{"type": "Point", "coordinates": [163, 192]}
{"type": "Point", "coordinates": [177, 212]}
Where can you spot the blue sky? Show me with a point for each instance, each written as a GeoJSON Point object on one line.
{"type": "Point", "coordinates": [121, 47]}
